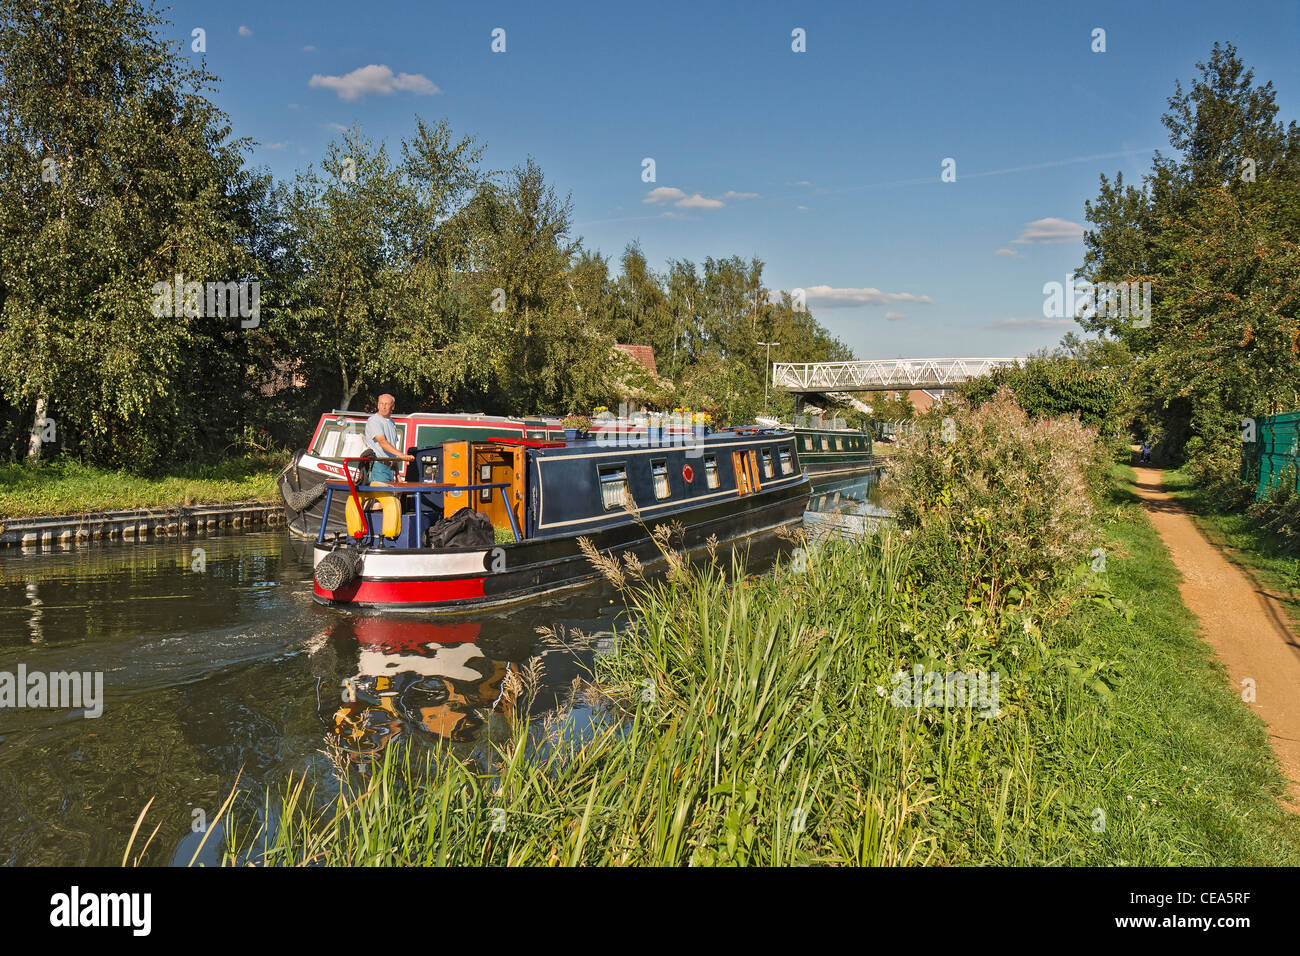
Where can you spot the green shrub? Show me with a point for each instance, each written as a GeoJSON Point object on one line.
{"type": "Point", "coordinates": [1215, 467]}
{"type": "Point", "coordinates": [1051, 387]}
{"type": "Point", "coordinates": [1279, 510]}
{"type": "Point", "coordinates": [995, 499]}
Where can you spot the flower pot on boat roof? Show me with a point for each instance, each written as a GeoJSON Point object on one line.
{"type": "Point", "coordinates": [576, 426]}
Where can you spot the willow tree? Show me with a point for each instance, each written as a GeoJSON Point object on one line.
{"type": "Point", "coordinates": [379, 244]}
{"type": "Point", "coordinates": [342, 230]}
{"type": "Point", "coordinates": [116, 173]}
{"type": "Point", "coordinates": [530, 339]}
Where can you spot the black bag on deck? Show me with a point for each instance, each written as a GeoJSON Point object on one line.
{"type": "Point", "coordinates": [465, 529]}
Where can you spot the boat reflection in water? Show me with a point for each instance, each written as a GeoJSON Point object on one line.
{"type": "Point", "coordinates": [847, 508]}
{"type": "Point", "coordinates": [463, 683]}
{"type": "Point", "coordinates": [468, 682]}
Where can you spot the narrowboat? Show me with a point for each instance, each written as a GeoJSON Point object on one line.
{"type": "Point", "coordinates": [497, 521]}
{"type": "Point", "coordinates": [340, 435]}
{"type": "Point", "coordinates": [830, 452]}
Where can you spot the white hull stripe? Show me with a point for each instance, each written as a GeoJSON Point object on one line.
{"type": "Point", "coordinates": [403, 564]}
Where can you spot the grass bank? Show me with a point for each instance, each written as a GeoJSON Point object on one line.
{"type": "Point", "coordinates": [762, 724]}
{"type": "Point", "coordinates": [67, 487]}
{"type": "Point", "coordinates": [1269, 558]}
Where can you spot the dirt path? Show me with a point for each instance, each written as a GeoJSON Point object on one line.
{"type": "Point", "coordinates": [1244, 625]}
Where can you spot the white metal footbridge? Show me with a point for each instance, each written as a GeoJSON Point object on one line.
{"type": "Point", "coordinates": [882, 374]}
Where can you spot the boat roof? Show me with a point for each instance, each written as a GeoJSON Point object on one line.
{"type": "Point", "coordinates": [726, 436]}
{"type": "Point", "coordinates": [459, 416]}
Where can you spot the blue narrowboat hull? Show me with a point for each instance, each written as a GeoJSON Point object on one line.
{"type": "Point", "coordinates": [695, 490]}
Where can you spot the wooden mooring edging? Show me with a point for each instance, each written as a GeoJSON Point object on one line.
{"type": "Point", "coordinates": [139, 524]}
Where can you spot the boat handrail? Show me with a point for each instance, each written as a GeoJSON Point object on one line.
{"type": "Point", "coordinates": [354, 491]}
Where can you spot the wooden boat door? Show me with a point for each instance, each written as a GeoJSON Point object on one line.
{"type": "Point", "coordinates": [746, 466]}
{"type": "Point", "coordinates": [506, 464]}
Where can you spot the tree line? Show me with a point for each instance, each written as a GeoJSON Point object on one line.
{"type": "Point", "coordinates": [416, 271]}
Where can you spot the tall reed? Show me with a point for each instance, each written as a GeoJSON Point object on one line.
{"type": "Point", "coordinates": [753, 725]}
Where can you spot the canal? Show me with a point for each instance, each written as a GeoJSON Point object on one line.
{"type": "Point", "coordinates": [216, 663]}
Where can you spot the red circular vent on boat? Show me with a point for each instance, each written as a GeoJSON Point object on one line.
{"type": "Point", "coordinates": [688, 474]}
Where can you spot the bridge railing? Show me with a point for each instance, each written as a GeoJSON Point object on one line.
{"type": "Point", "coordinates": [882, 373]}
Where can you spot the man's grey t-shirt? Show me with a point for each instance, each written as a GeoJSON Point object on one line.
{"type": "Point", "coordinates": [377, 425]}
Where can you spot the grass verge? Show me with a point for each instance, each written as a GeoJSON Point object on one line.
{"type": "Point", "coordinates": [68, 487]}
{"type": "Point", "coordinates": [759, 724]}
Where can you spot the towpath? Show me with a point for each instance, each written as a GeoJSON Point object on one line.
{"type": "Point", "coordinates": [1246, 626]}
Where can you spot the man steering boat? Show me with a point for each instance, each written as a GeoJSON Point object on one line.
{"type": "Point", "coordinates": [381, 438]}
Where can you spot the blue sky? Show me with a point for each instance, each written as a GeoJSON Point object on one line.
{"type": "Point", "coordinates": [824, 164]}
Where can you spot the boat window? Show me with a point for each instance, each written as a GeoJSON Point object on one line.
{"type": "Point", "coordinates": [787, 466]}
{"type": "Point", "coordinates": [345, 440]}
{"type": "Point", "coordinates": [767, 463]}
{"type": "Point", "coordinates": [711, 470]}
{"type": "Point", "coordinates": [659, 469]}
{"type": "Point", "coordinates": [807, 442]}
{"type": "Point", "coordinates": [613, 485]}
{"type": "Point", "coordinates": [826, 446]}
{"type": "Point", "coordinates": [839, 444]}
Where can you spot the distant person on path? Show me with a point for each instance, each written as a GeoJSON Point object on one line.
{"type": "Point", "coordinates": [1146, 454]}
{"type": "Point", "coordinates": [381, 438]}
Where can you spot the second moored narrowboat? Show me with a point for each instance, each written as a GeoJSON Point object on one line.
{"type": "Point", "coordinates": [830, 452]}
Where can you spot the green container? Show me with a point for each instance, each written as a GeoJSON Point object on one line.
{"type": "Point", "coordinates": [1273, 456]}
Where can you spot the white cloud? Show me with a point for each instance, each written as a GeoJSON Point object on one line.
{"type": "Point", "coordinates": [699, 202]}
{"type": "Point", "coordinates": [244, 31]}
{"type": "Point", "coordinates": [663, 194]}
{"type": "Point", "coordinates": [832, 298]}
{"type": "Point", "coordinates": [732, 194]}
{"type": "Point", "coordinates": [292, 106]}
{"type": "Point", "coordinates": [802, 182]}
{"type": "Point", "coordinates": [375, 79]}
{"type": "Point", "coordinates": [1031, 323]}
{"type": "Point", "coordinates": [309, 49]}
{"type": "Point", "coordinates": [276, 146]}
{"type": "Point", "coordinates": [337, 127]}
{"type": "Point", "coordinates": [1008, 253]}
{"type": "Point", "coordinates": [671, 194]}
{"type": "Point", "coordinates": [1050, 230]}
{"type": "Point", "coordinates": [894, 316]}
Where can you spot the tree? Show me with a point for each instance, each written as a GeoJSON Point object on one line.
{"type": "Point", "coordinates": [1214, 230]}
{"type": "Point", "coordinates": [1049, 386]}
{"type": "Point", "coordinates": [344, 232]}
{"type": "Point", "coordinates": [116, 173]}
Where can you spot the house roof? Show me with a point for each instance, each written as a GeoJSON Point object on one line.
{"type": "Point", "coordinates": [643, 355]}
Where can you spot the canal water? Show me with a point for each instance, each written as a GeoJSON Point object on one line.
{"type": "Point", "coordinates": [216, 663]}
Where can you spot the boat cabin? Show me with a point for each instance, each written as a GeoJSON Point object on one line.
{"type": "Point", "coordinates": [538, 489]}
